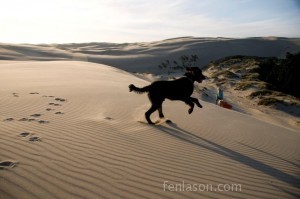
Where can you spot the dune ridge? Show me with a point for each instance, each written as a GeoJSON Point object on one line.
{"type": "Point", "coordinates": [146, 56]}
{"type": "Point", "coordinates": [98, 149]}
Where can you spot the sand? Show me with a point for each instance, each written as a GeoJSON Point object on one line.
{"type": "Point", "coordinates": [70, 129]}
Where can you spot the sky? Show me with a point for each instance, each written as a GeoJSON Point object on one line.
{"type": "Point", "coordinates": [120, 21]}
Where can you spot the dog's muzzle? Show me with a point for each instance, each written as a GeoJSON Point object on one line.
{"type": "Point", "coordinates": [201, 78]}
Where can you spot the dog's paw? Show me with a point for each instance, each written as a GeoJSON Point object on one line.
{"type": "Point", "coordinates": [200, 106]}
{"type": "Point", "coordinates": [190, 110]}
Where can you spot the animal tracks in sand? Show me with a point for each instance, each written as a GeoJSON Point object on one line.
{"type": "Point", "coordinates": [9, 119]}
{"type": "Point", "coordinates": [43, 121]}
{"type": "Point", "coordinates": [38, 117]}
{"type": "Point", "coordinates": [26, 119]}
{"type": "Point", "coordinates": [34, 139]}
{"type": "Point", "coordinates": [24, 134]}
{"type": "Point", "coordinates": [54, 104]}
{"type": "Point", "coordinates": [108, 118]}
{"type": "Point", "coordinates": [7, 164]}
{"type": "Point", "coordinates": [30, 136]}
{"type": "Point", "coordinates": [34, 117]}
{"type": "Point", "coordinates": [60, 99]}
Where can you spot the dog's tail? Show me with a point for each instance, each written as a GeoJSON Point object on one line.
{"type": "Point", "coordinates": [138, 90]}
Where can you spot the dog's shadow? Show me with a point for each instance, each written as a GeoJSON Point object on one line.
{"type": "Point", "coordinates": [183, 135]}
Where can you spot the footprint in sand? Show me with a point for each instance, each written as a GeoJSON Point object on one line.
{"type": "Point", "coordinates": [48, 96]}
{"type": "Point", "coordinates": [36, 115]}
{"type": "Point", "coordinates": [34, 139]}
{"type": "Point", "coordinates": [43, 121]}
{"type": "Point", "coordinates": [15, 94]}
{"type": "Point", "coordinates": [34, 93]}
{"type": "Point", "coordinates": [24, 134]}
{"type": "Point", "coordinates": [30, 136]}
{"type": "Point", "coordinates": [49, 109]}
{"type": "Point", "coordinates": [23, 119]}
{"type": "Point", "coordinates": [54, 104]}
{"type": "Point", "coordinates": [9, 119]}
{"type": "Point", "coordinates": [60, 99]}
{"type": "Point", "coordinates": [108, 118]}
{"type": "Point", "coordinates": [26, 119]}
{"type": "Point", "coordinates": [59, 113]}
{"type": "Point", "coordinates": [7, 164]}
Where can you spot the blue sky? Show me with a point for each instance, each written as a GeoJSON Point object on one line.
{"type": "Point", "coordinates": [66, 21]}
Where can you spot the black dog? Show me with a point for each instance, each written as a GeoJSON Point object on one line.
{"type": "Point", "coordinates": [179, 89]}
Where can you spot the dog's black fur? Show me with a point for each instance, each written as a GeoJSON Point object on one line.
{"type": "Point", "coordinates": [179, 89]}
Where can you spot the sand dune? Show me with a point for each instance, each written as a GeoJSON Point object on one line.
{"type": "Point", "coordinates": [146, 56]}
{"type": "Point", "coordinates": [70, 129]}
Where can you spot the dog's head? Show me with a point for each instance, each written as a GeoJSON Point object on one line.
{"type": "Point", "coordinates": [196, 73]}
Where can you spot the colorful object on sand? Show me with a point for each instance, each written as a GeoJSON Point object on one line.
{"type": "Point", "coordinates": [224, 104]}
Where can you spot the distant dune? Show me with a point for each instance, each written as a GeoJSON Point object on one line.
{"type": "Point", "coordinates": [146, 56]}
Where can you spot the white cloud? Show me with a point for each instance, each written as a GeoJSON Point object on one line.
{"type": "Point", "coordinates": [136, 20]}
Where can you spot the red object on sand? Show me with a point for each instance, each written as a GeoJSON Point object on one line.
{"type": "Point", "coordinates": [225, 104]}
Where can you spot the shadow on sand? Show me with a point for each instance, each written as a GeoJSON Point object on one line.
{"type": "Point", "coordinates": [186, 136]}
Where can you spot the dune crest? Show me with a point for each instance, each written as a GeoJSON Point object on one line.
{"type": "Point", "coordinates": [146, 56]}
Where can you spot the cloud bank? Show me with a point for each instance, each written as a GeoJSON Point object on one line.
{"type": "Point", "coordinates": [63, 21]}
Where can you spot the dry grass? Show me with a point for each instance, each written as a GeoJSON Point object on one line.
{"type": "Point", "coordinates": [244, 85]}
{"type": "Point", "coordinates": [250, 76]}
{"type": "Point", "coordinates": [273, 100]}
{"type": "Point", "coordinates": [260, 94]}
{"type": "Point", "coordinates": [269, 101]}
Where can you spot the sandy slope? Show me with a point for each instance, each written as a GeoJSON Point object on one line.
{"type": "Point", "coordinates": [146, 56]}
{"type": "Point", "coordinates": [98, 149]}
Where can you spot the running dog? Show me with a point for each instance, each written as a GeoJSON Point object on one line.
{"type": "Point", "coordinates": [179, 89]}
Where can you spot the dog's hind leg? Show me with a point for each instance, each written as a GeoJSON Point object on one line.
{"type": "Point", "coordinates": [160, 112]}
{"type": "Point", "coordinates": [153, 108]}
{"type": "Point", "coordinates": [195, 100]}
{"type": "Point", "coordinates": [156, 105]}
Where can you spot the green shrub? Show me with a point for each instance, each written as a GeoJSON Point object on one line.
{"type": "Point", "coordinates": [282, 74]}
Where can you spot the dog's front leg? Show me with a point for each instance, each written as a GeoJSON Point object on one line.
{"type": "Point", "coordinates": [191, 104]}
{"type": "Point", "coordinates": [195, 100]}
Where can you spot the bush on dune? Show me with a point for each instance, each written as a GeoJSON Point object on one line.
{"type": "Point", "coordinates": [283, 74]}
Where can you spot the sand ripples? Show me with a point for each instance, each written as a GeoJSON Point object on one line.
{"type": "Point", "coordinates": [97, 149]}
